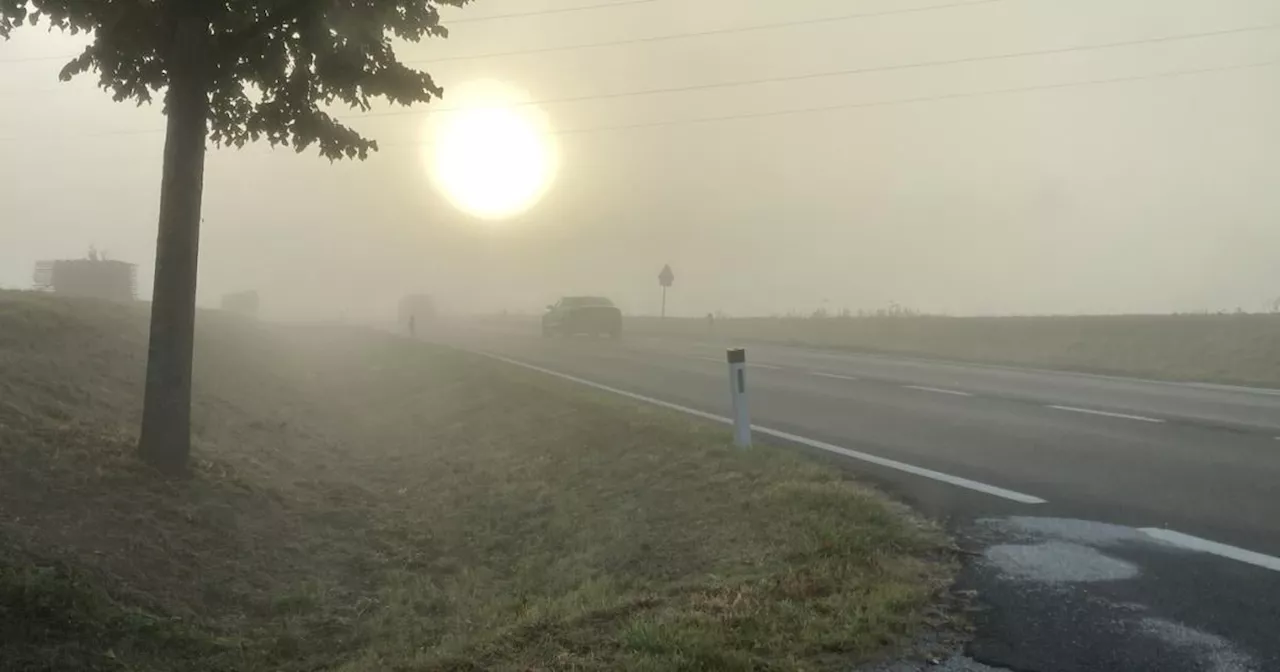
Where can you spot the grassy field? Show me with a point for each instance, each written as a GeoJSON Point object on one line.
{"type": "Point", "coordinates": [361, 502]}
{"type": "Point", "coordinates": [1241, 348]}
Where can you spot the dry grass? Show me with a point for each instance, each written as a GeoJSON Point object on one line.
{"type": "Point", "coordinates": [1241, 348]}
{"type": "Point", "coordinates": [366, 503]}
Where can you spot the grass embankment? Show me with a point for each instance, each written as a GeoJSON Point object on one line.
{"type": "Point", "coordinates": [1241, 349]}
{"type": "Point", "coordinates": [360, 502]}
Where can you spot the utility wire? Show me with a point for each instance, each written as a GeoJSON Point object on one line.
{"type": "Point", "coordinates": [709, 33]}
{"type": "Point", "coordinates": [838, 73]}
{"type": "Point", "coordinates": [888, 103]}
{"type": "Point", "coordinates": [546, 12]}
{"type": "Point", "coordinates": [921, 99]}
{"type": "Point", "coordinates": [1172, 74]}
{"type": "Point", "coordinates": [447, 23]}
{"type": "Point", "coordinates": [800, 77]}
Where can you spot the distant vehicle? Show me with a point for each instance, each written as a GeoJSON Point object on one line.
{"type": "Point", "coordinates": [591, 315]}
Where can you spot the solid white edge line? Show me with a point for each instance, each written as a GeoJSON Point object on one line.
{"type": "Point", "coordinates": [771, 367]}
{"type": "Point", "coordinates": [605, 388]}
{"type": "Point", "coordinates": [904, 467]}
{"type": "Point", "coordinates": [1107, 414]}
{"type": "Point", "coordinates": [1205, 546]}
{"type": "Point", "coordinates": [938, 390]}
{"type": "Point", "coordinates": [786, 436]}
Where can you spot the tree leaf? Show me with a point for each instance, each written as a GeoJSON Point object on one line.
{"type": "Point", "coordinates": [274, 66]}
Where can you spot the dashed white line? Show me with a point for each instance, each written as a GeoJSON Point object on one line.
{"type": "Point", "coordinates": [836, 376]}
{"type": "Point", "coordinates": [786, 436]}
{"type": "Point", "coordinates": [771, 367]}
{"type": "Point", "coordinates": [1107, 414]}
{"type": "Point", "coordinates": [938, 390]}
{"type": "Point", "coordinates": [1205, 546]}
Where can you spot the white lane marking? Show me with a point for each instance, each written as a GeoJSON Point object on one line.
{"type": "Point", "coordinates": [1205, 546]}
{"type": "Point", "coordinates": [834, 376]}
{"type": "Point", "coordinates": [904, 467]}
{"type": "Point", "coordinates": [938, 390]}
{"type": "Point", "coordinates": [1107, 414]}
{"type": "Point", "coordinates": [1270, 392]}
{"type": "Point", "coordinates": [765, 366]}
{"type": "Point", "coordinates": [786, 436]}
{"type": "Point", "coordinates": [716, 360]}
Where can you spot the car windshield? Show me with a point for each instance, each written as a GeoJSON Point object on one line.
{"type": "Point", "coordinates": [586, 302]}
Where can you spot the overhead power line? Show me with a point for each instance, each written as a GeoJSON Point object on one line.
{"type": "Point", "coordinates": [886, 103]}
{"type": "Point", "coordinates": [651, 39]}
{"type": "Point", "coordinates": [697, 121]}
{"type": "Point", "coordinates": [889, 103]}
{"type": "Point", "coordinates": [916, 100]}
{"type": "Point", "coordinates": [445, 22]}
{"type": "Point", "coordinates": [711, 33]}
{"type": "Point", "coordinates": [1172, 74]}
{"type": "Point", "coordinates": [899, 102]}
{"type": "Point", "coordinates": [842, 73]}
{"type": "Point", "coordinates": [547, 12]}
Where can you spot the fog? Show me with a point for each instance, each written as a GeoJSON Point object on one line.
{"type": "Point", "coordinates": [1153, 194]}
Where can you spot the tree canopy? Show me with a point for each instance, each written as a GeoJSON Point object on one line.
{"type": "Point", "coordinates": [270, 66]}
{"type": "Point", "coordinates": [233, 71]}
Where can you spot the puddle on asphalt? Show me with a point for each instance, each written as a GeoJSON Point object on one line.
{"type": "Point", "coordinates": [1066, 555]}
{"type": "Point", "coordinates": [1058, 562]}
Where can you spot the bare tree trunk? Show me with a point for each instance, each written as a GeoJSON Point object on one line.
{"type": "Point", "coordinates": [165, 441]}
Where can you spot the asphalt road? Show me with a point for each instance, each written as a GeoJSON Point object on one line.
{"type": "Point", "coordinates": [1200, 460]}
{"type": "Point", "coordinates": [1190, 473]}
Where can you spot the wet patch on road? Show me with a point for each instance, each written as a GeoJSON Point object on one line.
{"type": "Point", "coordinates": [1064, 595]}
{"type": "Point", "coordinates": [1058, 562]}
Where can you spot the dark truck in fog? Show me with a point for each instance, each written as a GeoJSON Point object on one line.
{"type": "Point", "coordinates": [590, 315]}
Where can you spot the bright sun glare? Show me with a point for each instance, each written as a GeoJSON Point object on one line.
{"type": "Point", "coordinates": [490, 152]}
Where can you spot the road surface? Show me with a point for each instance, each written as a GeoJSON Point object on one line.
{"type": "Point", "coordinates": [1190, 472]}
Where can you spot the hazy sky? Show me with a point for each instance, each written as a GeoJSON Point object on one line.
{"type": "Point", "coordinates": [1157, 194]}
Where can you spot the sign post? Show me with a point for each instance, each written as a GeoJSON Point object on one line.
{"type": "Point", "coordinates": [738, 392]}
{"type": "Point", "coordinates": [665, 279]}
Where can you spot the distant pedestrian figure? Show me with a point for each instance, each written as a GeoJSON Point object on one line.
{"type": "Point", "coordinates": [413, 326]}
{"type": "Point", "coordinates": [711, 322]}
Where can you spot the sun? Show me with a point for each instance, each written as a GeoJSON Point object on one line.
{"type": "Point", "coordinates": [490, 151]}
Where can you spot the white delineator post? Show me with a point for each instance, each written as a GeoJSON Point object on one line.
{"type": "Point", "coordinates": [738, 392]}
